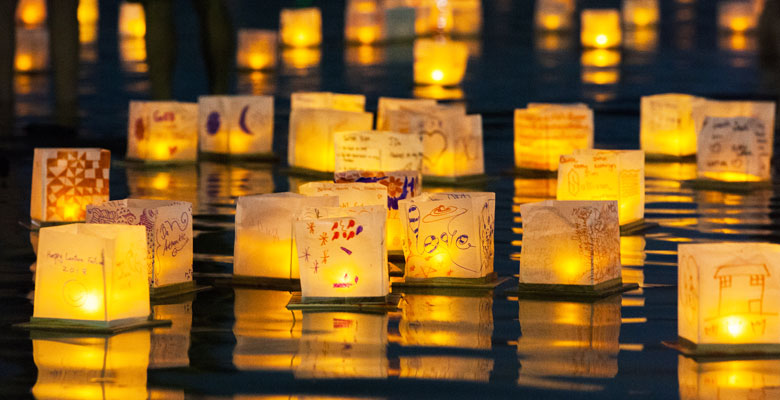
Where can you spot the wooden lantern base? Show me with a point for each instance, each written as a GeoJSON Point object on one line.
{"type": "Point", "coordinates": [639, 226]}
{"type": "Point", "coordinates": [571, 292]}
{"type": "Point", "coordinates": [716, 351]}
{"type": "Point", "coordinates": [490, 281]}
{"type": "Point", "coordinates": [79, 326]}
{"type": "Point", "coordinates": [361, 304]}
{"type": "Point", "coordinates": [176, 290]}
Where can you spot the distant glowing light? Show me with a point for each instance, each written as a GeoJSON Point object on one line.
{"type": "Point", "coordinates": [437, 75]}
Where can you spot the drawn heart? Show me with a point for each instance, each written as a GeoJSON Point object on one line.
{"type": "Point", "coordinates": [173, 149]}
{"type": "Point", "coordinates": [434, 146]}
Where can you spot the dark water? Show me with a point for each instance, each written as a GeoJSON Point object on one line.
{"type": "Point", "coordinates": [242, 343]}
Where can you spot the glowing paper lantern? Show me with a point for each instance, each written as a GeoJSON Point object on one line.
{"type": "Point", "coordinates": [256, 49]}
{"type": "Point", "coordinates": [728, 379]}
{"type": "Point", "coordinates": [762, 110]}
{"type": "Point", "coordinates": [31, 13]}
{"type": "Point", "coordinates": [667, 126]}
{"type": "Point", "coordinates": [168, 227]}
{"type": "Point", "coordinates": [449, 235]}
{"type": "Point", "coordinates": [640, 13]}
{"type": "Point", "coordinates": [727, 297]}
{"type": "Point", "coordinates": [605, 175]}
{"type": "Point", "coordinates": [439, 62]}
{"type": "Point", "coordinates": [363, 21]}
{"type": "Point", "coordinates": [737, 16]}
{"type": "Point", "coordinates": [342, 252]}
{"type": "Point", "coordinates": [81, 368]}
{"type": "Point", "coordinates": [132, 21]}
{"type": "Point", "coordinates": [389, 105]}
{"type": "Point", "coordinates": [735, 150]}
{"type": "Point", "coordinates": [554, 15]}
{"type": "Point", "coordinates": [236, 125]}
{"type": "Point", "coordinates": [264, 245]}
{"type": "Point", "coordinates": [545, 132]}
{"type": "Point", "coordinates": [349, 194]}
{"type": "Point", "coordinates": [328, 101]}
{"type": "Point", "coordinates": [266, 333]}
{"type": "Point", "coordinates": [573, 243]}
{"type": "Point", "coordinates": [66, 180]}
{"type": "Point", "coordinates": [301, 27]}
{"type": "Point", "coordinates": [163, 131]}
{"type": "Point", "coordinates": [88, 12]}
{"type": "Point", "coordinates": [378, 151]}
{"type": "Point", "coordinates": [466, 17]}
{"type": "Point", "coordinates": [600, 28]}
{"type": "Point", "coordinates": [171, 345]}
{"type": "Point", "coordinates": [91, 275]}
{"type": "Point", "coordinates": [32, 50]}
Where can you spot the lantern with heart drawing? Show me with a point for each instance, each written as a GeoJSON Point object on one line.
{"type": "Point", "coordinates": [236, 125]}
{"type": "Point", "coordinates": [162, 131]}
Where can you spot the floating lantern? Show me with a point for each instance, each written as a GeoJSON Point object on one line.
{"type": "Point", "coordinates": [171, 345]}
{"type": "Point", "coordinates": [162, 131]}
{"type": "Point", "coordinates": [727, 379]}
{"type": "Point", "coordinates": [266, 333]}
{"type": "Point", "coordinates": [667, 127]}
{"type": "Point", "coordinates": [763, 110]}
{"type": "Point", "coordinates": [568, 339]}
{"type": "Point", "coordinates": [88, 12]}
{"type": "Point", "coordinates": [342, 252]}
{"type": "Point", "coordinates": [168, 227]}
{"type": "Point", "coordinates": [737, 16]}
{"type": "Point", "coordinates": [349, 194]}
{"type": "Point", "coordinates": [132, 21]}
{"type": "Point", "coordinates": [328, 101]}
{"type": "Point", "coordinates": [32, 50]}
{"type": "Point", "coordinates": [92, 367]}
{"type": "Point", "coordinates": [735, 150]}
{"type": "Point", "coordinates": [265, 246]}
{"type": "Point", "coordinates": [544, 132]}
{"type": "Point", "coordinates": [378, 151]}
{"type": "Point", "coordinates": [363, 21]}
{"type": "Point", "coordinates": [389, 105]}
{"type": "Point", "coordinates": [66, 180]}
{"type": "Point", "coordinates": [528, 190]}
{"type": "Point", "coordinates": [449, 236]}
{"type": "Point", "coordinates": [728, 297]}
{"type": "Point", "coordinates": [301, 27]}
{"type": "Point", "coordinates": [605, 175]}
{"type": "Point", "coordinates": [256, 49]}
{"type": "Point", "coordinates": [640, 13]}
{"type": "Point", "coordinates": [439, 62]}
{"type": "Point", "coordinates": [31, 13]}
{"type": "Point", "coordinates": [573, 244]}
{"type": "Point", "coordinates": [236, 125]}
{"type": "Point", "coordinates": [91, 276]}
{"type": "Point", "coordinates": [554, 15]}
{"type": "Point", "coordinates": [343, 345]}
{"type": "Point", "coordinates": [600, 28]}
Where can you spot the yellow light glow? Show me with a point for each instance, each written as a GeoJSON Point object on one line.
{"type": "Point", "coordinates": [71, 212]}
{"type": "Point", "coordinates": [24, 62]}
{"type": "Point", "coordinates": [551, 22]}
{"type": "Point", "coordinates": [437, 75]}
{"type": "Point", "coordinates": [91, 303]}
{"type": "Point", "coordinates": [608, 76]}
{"type": "Point", "coordinates": [600, 28]}
{"type": "Point", "coordinates": [88, 12]}
{"type": "Point", "coordinates": [600, 58]}
{"type": "Point", "coordinates": [601, 40]}
{"type": "Point", "coordinates": [737, 16]}
{"type": "Point", "coordinates": [32, 12]}
{"type": "Point", "coordinates": [258, 61]}
{"type": "Point", "coordinates": [301, 27]}
{"type": "Point", "coordinates": [731, 176]}
{"type": "Point", "coordinates": [132, 22]}
{"type": "Point", "coordinates": [439, 62]}
{"type": "Point", "coordinates": [256, 49]}
{"type": "Point", "coordinates": [735, 326]}
{"type": "Point", "coordinates": [301, 58]}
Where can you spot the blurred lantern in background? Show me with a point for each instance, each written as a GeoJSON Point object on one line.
{"type": "Point", "coordinates": [31, 13]}
{"type": "Point", "coordinates": [600, 28]}
{"type": "Point", "coordinates": [545, 132]}
{"type": "Point", "coordinates": [132, 22]}
{"type": "Point", "coordinates": [439, 62]}
{"type": "Point", "coordinates": [301, 27]}
{"type": "Point", "coordinates": [737, 15]}
{"type": "Point", "coordinates": [32, 50]}
{"type": "Point", "coordinates": [554, 15]}
{"type": "Point", "coordinates": [639, 14]}
{"type": "Point", "coordinates": [256, 49]}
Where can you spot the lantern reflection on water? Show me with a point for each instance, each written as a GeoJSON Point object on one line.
{"type": "Point", "coordinates": [165, 182]}
{"type": "Point", "coordinates": [266, 333]}
{"type": "Point", "coordinates": [300, 27]}
{"type": "Point", "coordinates": [221, 183]}
{"type": "Point", "coordinates": [734, 379]}
{"type": "Point", "coordinates": [32, 50]}
{"type": "Point", "coordinates": [170, 345]}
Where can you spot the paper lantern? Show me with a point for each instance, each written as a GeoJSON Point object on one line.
{"type": "Point", "coordinates": [466, 17]}
{"type": "Point", "coordinates": [666, 125]}
{"type": "Point", "coordinates": [91, 275]}
{"type": "Point", "coordinates": [256, 49]}
{"type": "Point", "coordinates": [568, 339]}
{"type": "Point", "coordinates": [528, 190]}
{"type": "Point", "coordinates": [728, 379]}
{"type": "Point", "coordinates": [32, 50]}
{"type": "Point", "coordinates": [88, 12]}
{"type": "Point", "coordinates": [66, 180]}
{"type": "Point", "coordinates": [377, 151]}
{"type": "Point", "coordinates": [762, 110]}
{"type": "Point", "coordinates": [727, 297]}
{"type": "Point", "coordinates": [735, 150]}
{"type": "Point", "coordinates": [162, 131]}
{"type": "Point", "coordinates": [343, 345]}
{"type": "Point", "coordinates": [439, 62]}
{"type": "Point", "coordinates": [80, 368]}
{"type": "Point", "coordinates": [554, 15]}
{"type": "Point", "coordinates": [265, 246]}
{"type": "Point", "coordinates": [267, 334]}
{"type": "Point", "coordinates": [132, 21]}
{"type": "Point", "coordinates": [342, 252]}
{"type": "Point", "coordinates": [640, 13]}
{"type": "Point", "coordinates": [544, 132]}
{"type": "Point", "coordinates": [572, 243]}
{"type": "Point", "coordinates": [300, 27]}
{"type": "Point", "coordinates": [349, 194]}
{"type": "Point", "coordinates": [600, 28]}
{"type": "Point", "coordinates": [737, 16]}
{"type": "Point", "coordinates": [171, 345]}
{"type": "Point", "coordinates": [328, 101]}
{"type": "Point", "coordinates": [605, 175]}
{"type": "Point", "coordinates": [389, 105]}
{"type": "Point", "coordinates": [168, 228]}
{"type": "Point", "coordinates": [449, 235]}
{"type": "Point", "coordinates": [363, 21]}
{"type": "Point", "coordinates": [31, 13]}
{"type": "Point", "coordinates": [236, 125]}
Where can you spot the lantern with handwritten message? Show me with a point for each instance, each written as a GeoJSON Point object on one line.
{"type": "Point", "coordinates": [168, 226]}
{"type": "Point", "coordinates": [762, 110]}
{"type": "Point", "coordinates": [728, 296]}
{"type": "Point", "coordinates": [65, 181]}
{"type": "Point", "coordinates": [600, 28]}
{"type": "Point", "coordinates": [349, 194]}
{"type": "Point", "coordinates": [544, 132]}
{"type": "Point", "coordinates": [171, 345]}
{"type": "Point", "coordinates": [605, 175]}
{"type": "Point", "coordinates": [377, 151]}
{"type": "Point", "coordinates": [667, 127]}
{"type": "Point", "coordinates": [256, 49]}
{"type": "Point", "coordinates": [301, 27]}
{"type": "Point", "coordinates": [449, 236]}
{"type": "Point", "coordinates": [735, 149]}
{"type": "Point", "coordinates": [99, 367]}
{"type": "Point", "coordinates": [737, 16]}
{"type": "Point", "coordinates": [573, 243]}
{"type": "Point", "coordinates": [554, 15]}
{"type": "Point", "coordinates": [132, 22]}
{"type": "Point", "coordinates": [91, 275]}
{"type": "Point", "coordinates": [236, 125]}
{"type": "Point", "coordinates": [640, 13]}
{"type": "Point", "coordinates": [702, 379]}
{"type": "Point", "coordinates": [342, 252]}
{"type": "Point", "coordinates": [439, 62]}
{"type": "Point", "coordinates": [390, 105]}
{"type": "Point", "coordinates": [32, 50]}
{"type": "Point", "coordinates": [266, 333]}
{"type": "Point", "coordinates": [162, 131]}
{"type": "Point", "coordinates": [314, 120]}
{"type": "Point", "coordinates": [265, 246]}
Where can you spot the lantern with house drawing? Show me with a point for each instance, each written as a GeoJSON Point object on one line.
{"type": "Point", "coordinates": [162, 131]}
{"type": "Point", "coordinates": [545, 132]}
{"type": "Point", "coordinates": [236, 125]}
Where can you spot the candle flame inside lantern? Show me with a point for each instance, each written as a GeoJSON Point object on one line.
{"type": "Point", "coordinates": [91, 303]}
{"type": "Point", "coordinates": [735, 326]}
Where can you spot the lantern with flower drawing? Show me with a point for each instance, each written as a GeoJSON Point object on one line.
{"type": "Point", "coordinates": [168, 226]}
{"type": "Point", "coordinates": [600, 28]}
{"type": "Point", "coordinates": [544, 132]}
{"type": "Point", "coordinates": [342, 252]}
{"type": "Point", "coordinates": [666, 125]}
{"type": "Point", "coordinates": [236, 125]}
{"type": "Point", "coordinates": [735, 149]}
{"type": "Point", "coordinates": [554, 15]}
{"type": "Point", "coordinates": [132, 21]}
{"type": "Point", "coordinates": [65, 181]}
{"type": "Point", "coordinates": [449, 236]}
{"type": "Point", "coordinates": [728, 297]}
{"type": "Point", "coordinates": [265, 246]}
{"type": "Point", "coordinates": [439, 62]}
{"type": "Point", "coordinates": [301, 27]}
{"type": "Point", "coordinates": [256, 49]}
{"type": "Point", "coordinates": [377, 151]}
{"type": "Point", "coordinates": [162, 131]}
{"type": "Point", "coordinates": [32, 50]}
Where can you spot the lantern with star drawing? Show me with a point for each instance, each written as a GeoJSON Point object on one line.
{"type": "Point", "coordinates": [162, 131]}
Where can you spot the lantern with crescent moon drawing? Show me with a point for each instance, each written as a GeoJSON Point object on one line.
{"type": "Point", "coordinates": [162, 131]}
{"type": "Point", "coordinates": [236, 125]}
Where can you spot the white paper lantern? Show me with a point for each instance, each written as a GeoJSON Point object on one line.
{"type": "Point", "coordinates": [545, 132]}
{"type": "Point", "coordinates": [377, 151]}
{"type": "Point", "coordinates": [162, 131]}
{"type": "Point", "coordinates": [737, 149]}
{"type": "Point", "coordinates": [236, 125]}
{"type": "Point", "coordinates": [666, 125]}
